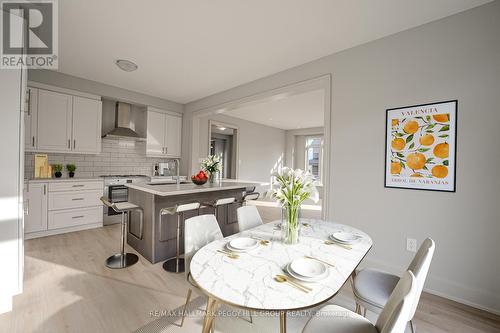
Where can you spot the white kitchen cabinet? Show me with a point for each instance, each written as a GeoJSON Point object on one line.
{"type": "Point", "coordinates": [30, 119]}
{"type": "Point", "coordinates": [155, 140]}
{"type": "Point", "coordinates": [86, 125]}
{"type": "Point", "coordinates": [36, 212]}
{"type": "Point", "coordinates": [173, 136]}
{"type": "Point", "coordinates": [54, 121]}
{"type": "Point", "coordinates": [163, 134]}
{"type": "Point", "coordinates": [60, 206]}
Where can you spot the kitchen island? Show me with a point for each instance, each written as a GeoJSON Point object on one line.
{"type": "Point", "coordinates": [158, 241]}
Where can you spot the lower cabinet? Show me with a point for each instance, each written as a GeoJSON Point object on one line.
{"type": "Point", "coordinates": [61, 207]}
{"type": "Point", "coordinates": [36, 214]}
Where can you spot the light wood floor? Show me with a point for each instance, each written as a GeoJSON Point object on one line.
{"type": "Point", "coordinates": [68, 289]}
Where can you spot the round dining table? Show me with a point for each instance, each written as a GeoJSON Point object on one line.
{"type": "Point", "coordinates": [249, 281]}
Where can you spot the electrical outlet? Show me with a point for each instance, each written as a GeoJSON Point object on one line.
{"type": "Point", "coordinates": [411, 245]}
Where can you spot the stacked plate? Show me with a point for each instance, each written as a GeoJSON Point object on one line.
{"type": "Point", "coordinates": [307, 270]}
{"type": "Point", "coordinates": [344, 237]}
{"type": "Point", "coordinates": [242, 244]}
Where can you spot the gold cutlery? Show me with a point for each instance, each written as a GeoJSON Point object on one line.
{"type": "Point", "coordinates": [229, 254]}
{"type": "Point", "coordinates": [281, 278]}
{"type": "Point", "coordinates": [320, 260]}
{"type": "Point", "coordinates": [329, 242]}
{"type": "Point", "coordinates": [262, 241]}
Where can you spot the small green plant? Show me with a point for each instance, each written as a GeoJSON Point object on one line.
{"type": "Point", "coordinates": [71, 167]}
{"type": "Point", "coordinates": [57, 167]}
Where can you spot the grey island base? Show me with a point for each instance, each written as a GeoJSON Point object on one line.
{"type": "Point", "coordinates": [158, 241]}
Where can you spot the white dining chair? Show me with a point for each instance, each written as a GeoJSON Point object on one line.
{"type": "Point", "coordinates": [198, 232]}
{"type": "Point", "coordinates": [248, 217]}
{"type": "Point", "coordinates": [372, 287]}
{"type": "Point", "coordinates": [393, 319]}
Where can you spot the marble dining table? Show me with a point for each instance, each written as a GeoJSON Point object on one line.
{"type": "Point", "coordinates": [249, 283]}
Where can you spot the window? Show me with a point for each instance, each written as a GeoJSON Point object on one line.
{"type": "Point", "coordinates": [314, 156]}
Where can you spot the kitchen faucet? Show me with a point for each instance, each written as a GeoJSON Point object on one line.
{"type": "Point", "coordinates": [177, 162]}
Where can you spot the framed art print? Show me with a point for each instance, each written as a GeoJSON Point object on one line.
{"type": "Point", "coordinates": [420, 150]}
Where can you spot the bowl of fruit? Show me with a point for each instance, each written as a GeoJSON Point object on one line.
{"type": "Point", "coordinates": [200, 178]}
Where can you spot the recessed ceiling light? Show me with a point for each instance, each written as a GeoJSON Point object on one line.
{"type": "Point", "coordinates": [126, 65]}
{"type": "Point", "coordinates": [270, 118]}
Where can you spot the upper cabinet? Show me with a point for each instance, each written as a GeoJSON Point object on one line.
{"type": "Point", "coordinates": [61, 122]}
{"type": "Point", "coordinates": [54, 121]}
{"type": "Point", "coordinates": [87, 119]}
{"type": "Point", "coordinates": [163, 134]}
{"type": "Point", "coordinates": [30, 118]}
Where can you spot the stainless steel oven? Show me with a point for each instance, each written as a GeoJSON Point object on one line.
{"type": "Point", "coordinates": [116, 191]}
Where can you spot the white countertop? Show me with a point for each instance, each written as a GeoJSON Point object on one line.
{"type": "Point", "coordinates": [63, 179]}
{"type": "Point", "coordinates": [249, 281]}
{"type": "Point", "coordinates": [174, 189]}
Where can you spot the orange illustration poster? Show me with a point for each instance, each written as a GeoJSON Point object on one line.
{"type": "Point", "coordinates": [421, 147]}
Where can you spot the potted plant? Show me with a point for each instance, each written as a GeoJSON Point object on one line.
{"type": "Point", "coordinates": [211, 165]}
{"type": "Point", "coordinates": [291, 188]}
{"type": "Point", "coordinates": [71, 169]}
{"type": "Point", "coordinates": [57, 170]}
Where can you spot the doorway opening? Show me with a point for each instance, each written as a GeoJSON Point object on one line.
{"type": "Point", "coordinates": [224, 143]}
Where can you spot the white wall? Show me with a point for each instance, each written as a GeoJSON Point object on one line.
{"type": "Point", "coordinates": [295, 145]}
{"type": "Point", "coordinates": [454, 58]}
{"type": "Point", "coordinates": [260, 147]}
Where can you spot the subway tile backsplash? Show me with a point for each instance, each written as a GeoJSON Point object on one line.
{"type": "Point", "coordinates": [116, 157]}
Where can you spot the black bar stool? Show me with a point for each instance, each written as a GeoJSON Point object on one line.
{"type": "Point", "coordinates": [176, 264]}
{"type": "Point", "coordinates": [122, 259]}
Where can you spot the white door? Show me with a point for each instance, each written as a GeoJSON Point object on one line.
{"type": "Point", "coordinates": [173, 136]}
{"type": "Point", "coordinates": [86, 125]}
{"type": "Point", "coordinates": [30, 119]}
{"type": "Point", "coordinates": [36, 217]}
{"type": "Point", "coordinates": [155, 139]}
{"type": "Point", "coordinates": [54, 121]}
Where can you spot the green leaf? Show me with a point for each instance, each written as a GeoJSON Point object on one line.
{"type": "Point", "coordinates": [402, 165]}
{"type": "Point", "coordinates": [429, 131]}
{"type": "Point", "coordinates": [425, 167]}
{"type": "Point", "coordinates": [399, 134]}
{"type": "Point", "coordinates": [445, 162]}
{"type": "Point", "coordinates": [423, 150]}
{"type": "Point", "coordinates": [428, 118]}
{"type": "Point", "coordinates": [430, 159]}
{"type": "Point", "coordinates": [444, 136]}
{"type": "Point", "coordinates": [409, 138]}
{"type": "Point", "coordinates": [444, 128]}
{"type": "Point", "coordinates": [431, 126]}
{"type": "Point", "coordinates": [412, 145]}
{"type": "Point", "coordinates": [400, 155]}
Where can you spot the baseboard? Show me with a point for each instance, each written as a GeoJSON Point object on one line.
{"type": "Point", "coordinates": [45, 233]}
{"type": "Point", "coordinates": [474, 297]}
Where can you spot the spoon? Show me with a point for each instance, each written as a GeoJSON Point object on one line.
{"type": "Point", "coordinates": [281, 278]}
{"type": "Point", "coordinates": [329, 242]}
{"type": "Point", "coordinates": [229, 254]}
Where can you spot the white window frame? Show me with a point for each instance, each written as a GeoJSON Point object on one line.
{"type": "Point", "coordinates": [306, 157]}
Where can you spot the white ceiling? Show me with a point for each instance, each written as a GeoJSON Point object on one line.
{"type": "Point", "coordinates": [303, 110]}
{"type": "Point", "coordinates": [189, 49]}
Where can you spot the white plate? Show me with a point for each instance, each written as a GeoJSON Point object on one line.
{"type": "Point", "coordinates": [344, 237]}
{"type": "Point", "coordinates": [243, 243]}
{"type": "Point", "coordinates": [303, 278]}
{"type": "Point", "coordinates": [232, 249]}
{"type": "Point", "coordinates": [308, 268]}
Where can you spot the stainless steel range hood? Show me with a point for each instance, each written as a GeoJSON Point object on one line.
{"type": "Point", "coordinates": [124, 127]}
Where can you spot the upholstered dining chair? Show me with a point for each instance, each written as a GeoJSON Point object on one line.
{"type": "Point", "coordinates": [372, 288]}
{"type": "Point", "coordinates": [393, 318]}
{"type": "Point", "coordinates": [248, 217]}
{"type": "Point", "coordinates": [198, 232]}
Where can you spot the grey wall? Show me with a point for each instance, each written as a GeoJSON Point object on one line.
{"type": "Point", "coordinates": [111, 92]}
{"type": "Point", "coordinates": [295, 145]}
{"type": "Point", "coordinates": [454, 58]}
{"type": "Point", "coordinates": [260, 147]}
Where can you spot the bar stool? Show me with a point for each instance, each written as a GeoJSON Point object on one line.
{"type": "Point", "coordinates": [176, 264]}
{"type": "Point", "coordinates": [220, 202]}
{"type": "Point", "coordinates": [249, 196]}
{"type": "Point", "coordinates": [122, 259]}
